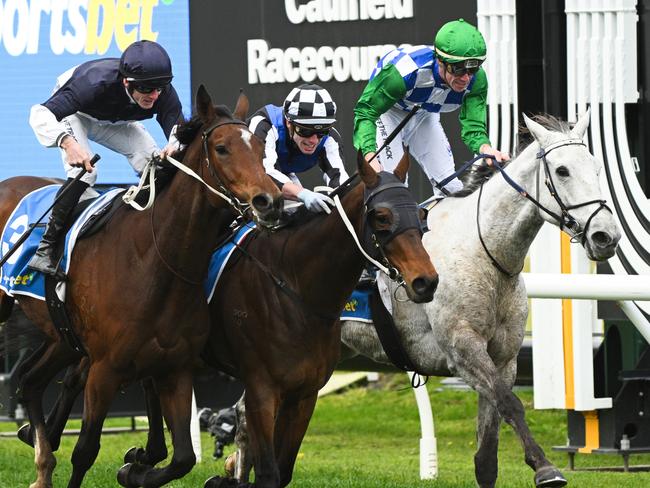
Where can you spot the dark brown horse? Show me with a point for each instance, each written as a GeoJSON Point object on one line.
{"type": "Point", "coordinates": [275, 309]}
{"type": "Point", "coordinates": [134, 291]}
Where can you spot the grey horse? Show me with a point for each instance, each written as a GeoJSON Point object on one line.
{"type": "Point", "coordinates": [475, 325]}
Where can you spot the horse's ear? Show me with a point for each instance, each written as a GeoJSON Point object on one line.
{"type": "Point", "coordinates": [580, 128]}
{"type": "Point", "coordinates": [241, 109]}
{"type": "Point", "coordinates": [367, 172]}
{"type": "Point", "coordinates": [204, 106]}
{"type": "Point", "coordinates": [403, 166]}
{"type": "Point", "coordinates": [539, 132]}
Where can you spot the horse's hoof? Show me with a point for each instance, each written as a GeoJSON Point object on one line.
{"type": "Point", "coordinates": [129, 473]}
{"type": "Point", "coordinates": [549, 477]}
{"type": "Point", "coordinates": [25, 435]}
{"type": "Point", "coordinates": [133, 455]}
{"type": "Point", "coordinates": [219, 482]}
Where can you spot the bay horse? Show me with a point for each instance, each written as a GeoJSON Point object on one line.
{"type": "Point", "coordinates": [278, 329]}
{"type": "Point", "coordinates": [475, 325]}
{"type": "Point", "coordinates": [134, 290]}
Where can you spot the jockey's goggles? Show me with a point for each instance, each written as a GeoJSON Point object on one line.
{"type": "Point", "coordinates": [307, 132]}
{"type": "Point", "coordinates": [469, 66]}
{"type": "Point", "coordinates": [148, 86]}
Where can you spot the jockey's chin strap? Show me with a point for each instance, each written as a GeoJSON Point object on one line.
{"type": "Point", "coordinates": [221, 190]}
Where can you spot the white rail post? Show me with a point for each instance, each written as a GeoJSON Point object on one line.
{"type": "Point", "coordinates": [428, 443]}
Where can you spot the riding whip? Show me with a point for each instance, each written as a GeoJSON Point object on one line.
{"type": "Point", "coordinates": [28, 232]}
{"type": "Point", "coordinates": [388, 140]}
{"type": "Point", "coordinates": [397, 130]}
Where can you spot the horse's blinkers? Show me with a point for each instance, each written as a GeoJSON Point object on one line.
{"type": "Point", "coordinates": [395, 197]}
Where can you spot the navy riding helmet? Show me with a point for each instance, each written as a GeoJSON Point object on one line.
{"type": "Point", "coordinates": [147, 63]}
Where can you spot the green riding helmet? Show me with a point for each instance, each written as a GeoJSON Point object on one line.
{"type": "Point", "coordinates": [460, 42]}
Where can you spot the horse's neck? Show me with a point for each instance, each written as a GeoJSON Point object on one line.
{"type": "Point", "coordinates": [325, 261]}
{"type": "Point", "coordinates": [186, 225]}
{"type": "Point", "coordinates": [509, 222]}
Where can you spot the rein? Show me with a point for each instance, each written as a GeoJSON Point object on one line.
{"type": "Point", "coordinates": [221, 190]}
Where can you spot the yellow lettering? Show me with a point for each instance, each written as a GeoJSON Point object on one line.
{"type": "Point", "coordinates": [25, 280]}
{"type": "Point", "coordinates": [146, 20]}
{"type": "Point", "coordinates": [127, 13]}
{"type": "Point", "coordinates": [96, 42]}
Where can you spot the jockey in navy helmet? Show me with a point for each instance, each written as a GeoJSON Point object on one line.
{"type": "Point", "coordinates": [298, 136]}
{"type": "Point", "coordinates": [101, 101]}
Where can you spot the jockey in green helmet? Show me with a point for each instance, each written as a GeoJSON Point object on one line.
{"type": "Point", "coordinates": [440, 78]}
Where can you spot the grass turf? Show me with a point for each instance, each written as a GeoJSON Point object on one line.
{"type": "Point", "coordinates": [363, 437]}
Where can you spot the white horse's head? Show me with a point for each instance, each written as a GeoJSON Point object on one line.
{"type": "Point", "coordinates": [569, 187]}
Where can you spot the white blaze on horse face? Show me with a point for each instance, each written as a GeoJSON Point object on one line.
{"type": "Point", "coordinates": [246, 135]}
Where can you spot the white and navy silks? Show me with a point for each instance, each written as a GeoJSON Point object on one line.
{"type": "Point", "coordinates": [90, 102]}
{"type": "Point", "coordinates": [283, 159]}
{"type": "Point", "coordinates": [423, 134]}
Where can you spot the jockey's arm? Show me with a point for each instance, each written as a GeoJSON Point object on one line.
{"type": "Point", "coordinates": [331, 160]}
{"type": "Point", "coordinates": [380, 94]}
{"type": "Point", "coordinates": [51, 132]}
{"type": "Point", "coordinates": [472, 117]}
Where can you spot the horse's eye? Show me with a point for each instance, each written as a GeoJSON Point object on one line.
{"type": "Point", "coordinates": [382, 220]}
{"type": "Point", "coordinates": [221, 149]}
{"type": "Point", "coordinates": [562, 171]}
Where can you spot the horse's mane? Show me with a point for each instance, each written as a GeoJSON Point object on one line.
{"type": "Point", "coordinates": [479, 173]}
{"type": "Point", "coordinates": [188, 129]}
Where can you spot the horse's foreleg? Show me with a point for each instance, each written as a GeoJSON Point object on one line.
{"type": "Point", "coordinates": [487, 433]}
{"type": "Point", "coordinates": [175, 393]}
{"type": "Point", "coordinates": [73, 384]}
{"type": "Point", "coordinates": [101, 386]}
{"type": "Point", "coordinates": [476, 367]}
{"type": "Point", "coordinates": [262, 403]}
{"type": "Point", "coordinates": [291, 426]}
{"type": "Point", "coordinates": [156, 449]}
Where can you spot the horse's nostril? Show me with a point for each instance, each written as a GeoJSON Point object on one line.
{"type": "Point", "coordinates": [601, 239]}
{"type": "Point", "coordinates": [423, 286]}
{"type": "Point", "coordinates": [262, 202]}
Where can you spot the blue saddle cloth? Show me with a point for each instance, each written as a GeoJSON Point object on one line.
{"type": "Point", "coordinates": [358, 306]}
{"type": "Point", "coordinates": [15, 279]}
{"type": "Point", "coordinates": [220, 259]}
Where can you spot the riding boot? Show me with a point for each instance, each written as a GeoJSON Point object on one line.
{"type": "Point", "coordinates": [44, 259]}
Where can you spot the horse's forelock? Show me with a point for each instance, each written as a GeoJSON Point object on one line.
{"type": "Point", "coordinates": [187, 131]}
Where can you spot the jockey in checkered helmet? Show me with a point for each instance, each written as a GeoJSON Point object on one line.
{"type": "Point", "coordinates": [299, 135]}
{"type": "Point", "coordinates": [310, 106]}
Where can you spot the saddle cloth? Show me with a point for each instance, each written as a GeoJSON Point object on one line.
{"type": "Point", "coordinates": [15, 279]}
{"type": "Point", "coordinates": [358, 306]}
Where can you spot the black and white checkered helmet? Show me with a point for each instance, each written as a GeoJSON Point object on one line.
{"type": "Point", "coordinates": [310, 105]}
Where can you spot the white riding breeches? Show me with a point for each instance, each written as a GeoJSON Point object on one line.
{"type": "Point", "coordinates": [129, 138]}
{"type": "Point", "coordinates": [427, 143]}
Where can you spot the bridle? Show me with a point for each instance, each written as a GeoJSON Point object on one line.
{"type": "Point", "coordinates": [226, 194]}
{"type": "Point", "coordinates": [395, 196]}
{"type": "Point", "coordinates": [565, 219]}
